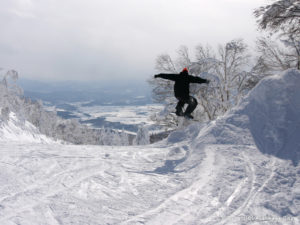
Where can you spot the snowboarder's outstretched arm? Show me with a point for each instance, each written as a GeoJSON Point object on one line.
{"type": "Point", "coordinates": [166, 76]}
{"type": "Point", "coordinates": [198, 80]}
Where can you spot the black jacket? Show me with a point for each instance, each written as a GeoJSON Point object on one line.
{"type": "Point", "coordinates": [182, 83]}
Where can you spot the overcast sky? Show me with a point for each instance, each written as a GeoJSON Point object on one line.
{"type": "Point", "coordinates": [113, 39]}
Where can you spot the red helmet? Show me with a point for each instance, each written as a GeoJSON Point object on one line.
{"type": "Point", "coordinates": [185, 70]}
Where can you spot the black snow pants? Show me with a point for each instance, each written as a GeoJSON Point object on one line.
{"type": "Point", "coordinates": [192, 104]}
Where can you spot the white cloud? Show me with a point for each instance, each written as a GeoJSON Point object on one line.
{"type": "Point", "coordinates": [79, 39]}
{"type": "Point", "coordinates": [22, 8]}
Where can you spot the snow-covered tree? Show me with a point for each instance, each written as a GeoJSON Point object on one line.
{"type": "Point", "coordinates": [142, 137]}
{"type": "Point", "coordinates": [283, 18]}
{"type": "Point", "coordinates": [232, 72]}
{"type": "Point", "coordinates": [226, 70]}
{"type": "Point", "coordinates": [282, 15]}
{"type": "Point", "coordinates": [273, 56]}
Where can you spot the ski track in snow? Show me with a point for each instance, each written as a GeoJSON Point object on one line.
{"type": "Point", "coordinates": [125, 172]}
{"type": "Point", "coordinates": [186, 196]}
{"type": "Point", "coordinates": [252, 193]}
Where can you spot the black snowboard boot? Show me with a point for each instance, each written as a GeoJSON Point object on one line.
{"type": "Point", "coordinates": [179, 111]}
{"type": "Point", "coordinates": [188, 116]}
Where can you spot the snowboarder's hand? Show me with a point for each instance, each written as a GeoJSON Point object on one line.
{"type": "Point", "coordinates": [207, 81]}
{"type": "Point", "coordinates": [156, 76]}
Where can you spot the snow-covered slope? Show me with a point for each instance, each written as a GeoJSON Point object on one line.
{"type": "Point", "coordinates": [14, 129]}
{"type": "Point", "coordinates": [241, 169]}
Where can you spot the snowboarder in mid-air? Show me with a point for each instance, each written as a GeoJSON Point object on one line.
{"type": "Point", "coordinates": [182, 91]}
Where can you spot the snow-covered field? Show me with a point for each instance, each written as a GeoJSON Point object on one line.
{"type": "Point", "coordinates": [240, 169]}
{"type": "Point", "coordinates": [131, 115]}
{"type": "Point", "coordinates": [125, 117]}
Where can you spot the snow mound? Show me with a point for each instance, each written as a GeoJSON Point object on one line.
{"type": "Point", "coordinates": [273, 110]}
{"type": "Point", "coordinates": [267, 117]}
{"type": "Point", "coordinates": [13, 129]}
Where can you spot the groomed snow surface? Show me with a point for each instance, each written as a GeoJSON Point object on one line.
{"type": "Point", "coordinates": [241, 169]}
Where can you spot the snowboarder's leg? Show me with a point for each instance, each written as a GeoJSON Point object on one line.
{"type": "Point", "coordinates": [192, 104]}
{"type": "Point", "coordinates": [179, 107]}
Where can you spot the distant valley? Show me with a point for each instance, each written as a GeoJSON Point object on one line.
{"type": "Point", "coordinates": [121, 106]}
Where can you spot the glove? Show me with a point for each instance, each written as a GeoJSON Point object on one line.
{"type": "Point", "coordinates": [156, 76]}
{"type": "Point", "coordinates": [207, 81]}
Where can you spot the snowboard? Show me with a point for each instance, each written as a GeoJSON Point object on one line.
{"type": "Point", "coordinates": [187, 118]}
{"type": "Point", "coordinates": [184, 121]}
